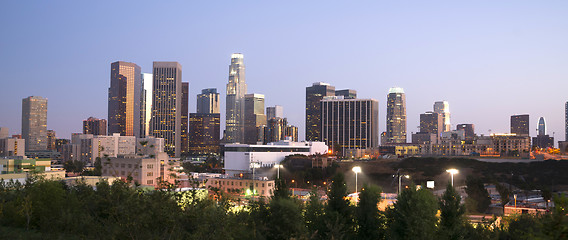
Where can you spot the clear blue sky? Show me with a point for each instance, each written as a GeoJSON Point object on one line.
{"type": "Point", "coordinates": [489, 59]}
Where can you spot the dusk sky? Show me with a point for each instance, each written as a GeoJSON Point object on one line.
{"type": "Point", "coordinates": [489, 59]}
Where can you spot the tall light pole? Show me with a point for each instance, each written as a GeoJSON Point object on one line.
{"type": "Point", "coordinates": [278, 166]}
{"type": "Point", "coordinates": [357, 170]}
{"type": "Point", "coordinates": [452, 172]}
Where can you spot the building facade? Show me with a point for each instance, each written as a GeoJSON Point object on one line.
{"type": "Point", "coordinates": [443, 108]}
{"type": "Point", "coordinates": [469, 130]}
{"type": "Point", "coordinates": [254, 117]}
{"type": "Point", "coordinates": [274, 112]}
{"type": "Point", "coordinates": [34, 123]}
{"type": "Point", "coordinates": [235, 106]}
{"type": "Point", "coordinates": [204, 132]}
{"type": "Point", "coordinates": [146, 171]}
{"type": "Point", "coordinates": [184, 118]}
{"type": "Point", "coordinates": [314, 94]}
{"type": "Point", "coordinates": [51, 138]}
{"type": "Point", "coordinates": [95, 126]}
{"type": "Point", "coordinates": [167, 105]}
{"type": "Point", "coordinates": [10, 147]}
{"type": "Point", "coordinates": [347, 93]}
{"type": "Point", "coordinates": [208, 101]}
{"type": "Point", "coordinates": [124, 99]}
{"type": "Point", "coordinates": [520, 125]}
{"type": "Point", "coordinates": [147, 80]}
{"type": "Point", "coordinates": [431, 122]}
{"type": "Point", "coordinates": [396, 116]}
{"type": "Point", "coordinates": [349, 123]}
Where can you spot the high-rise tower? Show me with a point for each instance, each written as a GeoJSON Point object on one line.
{"type": "Point", "coordinates": [541, 126]}
{"type": "Point", "coordinates": [520, 125]}
{"type": "Point", "coordinates": [396, 116]}
{"type": "Point", "coordinates": [314, 94]}
{"type": "Point", "coordinates": [124, 99]}
{"type": "Point", "coordinates": [235, 107]}
{"type": "Point", "coordinates": [147, 103]}
{"type": "Point", "coordinates": [184, 117]}
{"type": "Point", "coordinates": [254, 117]}
{"type": "Point", "coordinates": [566, 121]}
{"type": "Point", "coordinates": [443, 108]}
{"type": "Point", "coordinates": [167, 105]}
{"type": "Point", "coordinates": [34, 123]}
{"type": "Point", "coordinates": [431, 122]}
{"type": "Point", "coordinates": [208, 101]}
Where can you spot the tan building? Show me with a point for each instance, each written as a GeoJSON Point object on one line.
{"type": "Point", "coordinates": [145, 171]}
{"type": "Point", "coordinates": [511, 144]}
{"type": "Point", "coordinates": [34, 123]}
{"type": "Point", "coordinates": [263, 188]}
{"type": "Point", "coordinates": [12, 147]}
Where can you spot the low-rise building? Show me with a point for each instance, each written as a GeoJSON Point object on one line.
{"type": "Point", "coordinates": [244, 187]}
{"type": "Point", "coordinates": [241, 158]}
{"type": "Point", "coordinates": [143, 170]}
{"type": "Point", "coordinates": [12, 147]}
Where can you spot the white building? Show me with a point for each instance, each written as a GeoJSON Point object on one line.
{"type": "Point", "coordinates": [88, 148]}
{"type": "Point", "coordinates": [149, 146]}
{"type": "Point", "coordinates": [240, 158]}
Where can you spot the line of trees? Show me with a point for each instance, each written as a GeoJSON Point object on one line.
{"type": "Point", "coordinates": [46, 209]}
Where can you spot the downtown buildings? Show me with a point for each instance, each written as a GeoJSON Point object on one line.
{"type": "Point", "coordinates": [124, 99]}
{"type": "Point", "coordinates": [34, 123]}
{"type": "Point", "coordinates": [396, 116]}
{"type": "Point", "coordinates": [235, 106]}
{"type": "Point", "coordinates": [204, 126]}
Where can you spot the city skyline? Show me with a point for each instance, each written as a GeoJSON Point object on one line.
{"type": "Point", "coordinates": [458, 65]}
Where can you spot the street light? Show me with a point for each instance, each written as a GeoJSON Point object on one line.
{"type": "Point", "coordinates": [399, 179]}
{"type": "Point", "coordinates": [357, 170]}
{"type": "Point", "coordinates": [452, 172]}
{"type": "Point", "coordinates": [278, 166]}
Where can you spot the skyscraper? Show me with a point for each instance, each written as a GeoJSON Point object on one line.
{"type": "Point", "coordinates": [350, 123]}
{"type": "Point", "coordinates": [566, 121]}
{"type": "Point", "coordinates": [124, 99]}
{"type": "Point", "coordinates": [541, 126]}
{"type": "Point", "coordinates": [254, 117]}
{"type": "Point", "coordinates": [167, 105]}
{"type": "Point", "coordinates": [184, 117]}
{"type": "Point", "coordinates": [520, 125]}
{"type": "Point", "coordinates": [147, 103]}
{"type": "Point", "coordinates": [431, 122]}
{"type": "Point", "coordinates": [235, 107]}
{"type": "Point", "coordinates": [443, 108]}
{"type": "Point", "coordinates": [204, 126]}
{"type": "Point", "coordinates": [208, 101]}
{"type": "Point", "coordinates": [34, 123]}
{"type": "Point", "coordinates": [274, 112]}
{"type": "Point", "coordinates": [95, 126]}
{"type": "Point", "coordinates": [396, 116]}
{"type": "Point", "coordinates": [51, 138]}
{"type": "Point", "coordinates": [314, 94]}
{"type": "Point", "coordinates": [346, 93]}
{"type": "Point", "coordinates": [469, 130]}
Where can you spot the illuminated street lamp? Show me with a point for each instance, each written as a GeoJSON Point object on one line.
{"type": "Point", "coordinates": [357, 170]}
{"type": "Point", "coordinates": [278, 166]}
{"type": "Point", "coordinates": [452, 172]}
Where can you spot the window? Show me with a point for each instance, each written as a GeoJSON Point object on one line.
{"type": "Point", "coordinates": [116, 165]}
{"type": "Point", "coordinates": [150, 182]}
{"type": "Point", "coordinates": [129, 165]}
{"type": "Point", "coordinates": [263, 185]}
{"type": "Point", "coordinates": [122, 165]}
{"type": "Point", "coordinates": [150, 166]}
{"type": "Point", "coordinates": [241, 184]}
{"type": "Point", "coordinates": [232, 183]}
{"type": "Point", "coordinates": [149, 174]}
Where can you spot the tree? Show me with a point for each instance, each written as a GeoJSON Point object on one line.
{"type": "Point", "coordinates": [285, 219]}
{"type": "Point", "coordinates": [413, 215]}
{"type": "Point", "coordinates": [478, 197]}
{"type": "Point", "coordinates": [339, 219]}
{"type": "Point", "coordinates": [314, 216]}
{"type": "Point", "coordinates": [504, 192]}
{"type": "Point", "coordinates": [369, 221]}
{"type": "Point", "coordinates": [281, 190]}
{"type": "Point", "coordinates": [452, 221]}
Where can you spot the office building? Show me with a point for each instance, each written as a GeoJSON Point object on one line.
{"type": "Point", "coordinates": [10, 147]}
{"type": "Point", "coordinates": [314, 94]}
{"type": "Point", "coordinates": [275, 112]}
{"type": "Point", "coordinates": [235, 106]}
{"type": "Point", "coordinates": [51, 140]}
{"type": "Point", "coordinates": [346, 93]}
{"type": "Point", "coordinates": [443, 108]}
{"type": "Point", "coordinates": [4, 132]}
{"type": "Point", "coordinates": [431, 122]}
{"type": "Point", "coordinates": [254, 117]}
{"type": "Point", "coordinates": [511, 145]}
{"type": "Point", "coordinates": [147, 81]}
{"type": "Point", "coordinates": [566, 122]}
{"type": "Point", "coordinates": [204, 132]}
{"type": "Point", "coordinates": [143, 170]}
{"type": "Point", "coordinates": [208, 101]}
{"type": "Point", "coordinates": [34, 123]}
{"type": "Point", "coordinates": [95, 126]}
{"type": "Point", "coordinates": [349, 123]}
{"type": "Point", "coordinates": [184, 117]}
{"type": "Point", "coordinates": [469, 130]}
{"type": "Point", "coordinates": [520, 125]}
{"type": "Point", "coordinates": [87, 147]}
{"type": "Point", "coordinates": [124, 99]}
{"type": "Point", "coordinates": [541, 128]}
{"type": "Point", "coordinates": [167, 105]}
{"type": "Point", "coordinates": [396, 116]}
